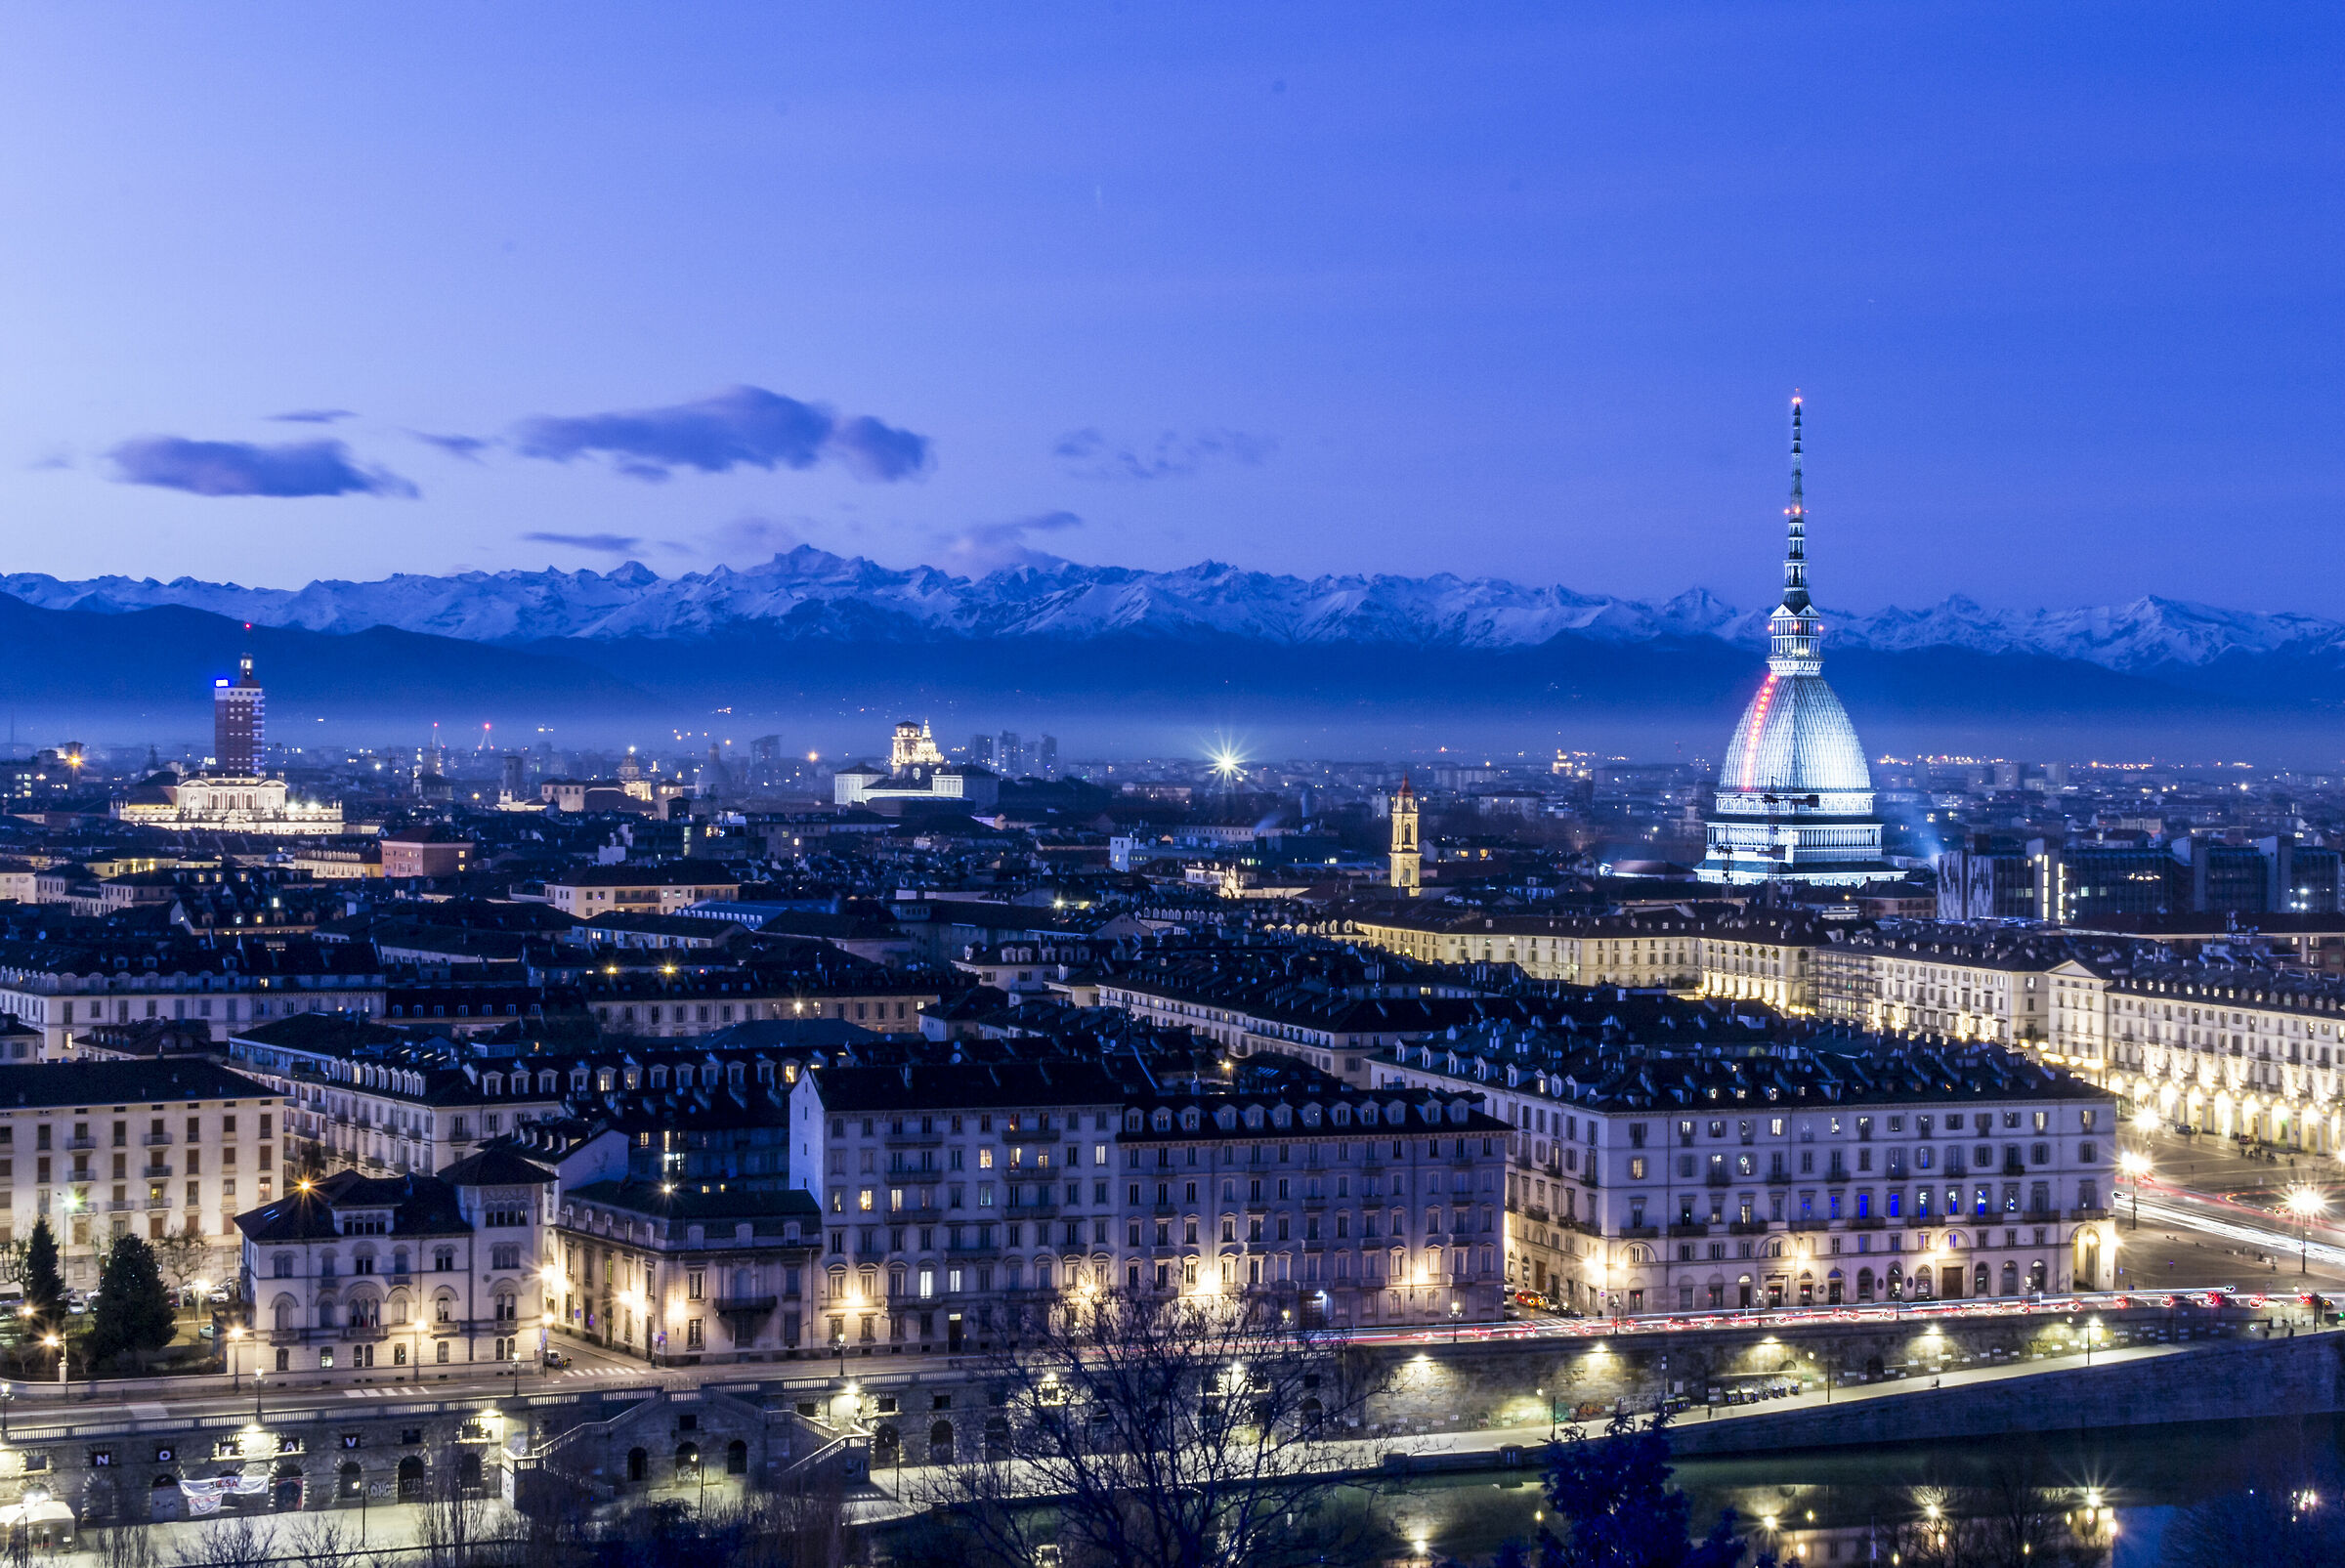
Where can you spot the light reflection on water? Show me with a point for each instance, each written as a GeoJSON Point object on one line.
{"type": "Point", "coordinates": [2142, 1471]}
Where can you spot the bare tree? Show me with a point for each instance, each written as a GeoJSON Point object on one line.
{"type": "Point", "coordinates": [230, 1541]}
{"type": "Point", "coordinates": [316, 1541]}
{"type": "Point", "coordinates": [453, 1523]}
{"type": "Point", "coordinates": [1180, 1432]}
{"type": "Point", "coordinates": [122, 1546]}
{"type": "Point", "coordinates": [182, 1257]}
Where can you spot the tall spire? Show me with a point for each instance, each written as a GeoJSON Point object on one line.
{"type": "Point", "coordinates": [1793, 631]}
{"type": "Point", "coordinates": [1795, 558]}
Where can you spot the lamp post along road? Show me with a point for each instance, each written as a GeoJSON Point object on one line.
{"type": "Point", "coordinates": [2304, 1202]}
{"type": "Point", "coordinates": [2136, 1165]}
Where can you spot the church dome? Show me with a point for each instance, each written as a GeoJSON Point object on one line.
{"type": "Point", "coordinates": [1795, 739]}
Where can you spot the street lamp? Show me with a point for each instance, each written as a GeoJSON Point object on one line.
{"type": "Point", "coordinates": [2304, 1202]}
{"type": "Point", "coordinates": [2136, 1165]}
{"type": "Point", "coordinates": [236, 1335]}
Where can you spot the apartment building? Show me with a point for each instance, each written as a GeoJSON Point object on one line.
{"type": "Point", "coordinates": [1650, 949]}
{"type": "Point", "coordinates": [1334, 1030]}
{"type": "Point", "coordinates": [687, 1275]}
{"type": "Point", "coordinates": [166, 1148]}
{"type": "Point", "coordinates": [1745, 955]}
{"type": "Point", "coordinates": [385, 1099]}
{"type": "Point", "coordinates": [1796, 1174]}
{"type": "Point", "coordinates": [2243, 1050]}
{"type": "Point", "coordinates": [58, 988]}
{"type": "Point", "coordinates": [1310, 1197]}
{"type": "Point", "coordinates": [953, 1193]}
{"type": "Point", "coordinates": [360, 1271]}
{"type": "Point", "coordinates": [1958, 982]}
{"type": "Point", "coordinates": [593, 890]}
{"type": "Point", "coordinates": [685, 1004]}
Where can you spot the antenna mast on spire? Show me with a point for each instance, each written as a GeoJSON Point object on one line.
{"type": "Point", "coordinates": [1795, 559]}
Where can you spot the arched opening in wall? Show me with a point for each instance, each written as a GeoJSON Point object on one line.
{"type": "Point", "coordinates": [639, 1463]}
{"type": "Point", "coordinates": [1864, 1284]}
{"type": "Point", "coordinates": [996, 1437]}
{"type": "Point", "coordinates": [2036, 1280]}
{"type": "Point", "coordinates": [413, 1486]}
{"type": "Point", "coordinates": [940, 1443]}
{"type": "Point", "coordinates": [737, 1457]}
{"type": "Point", "coordinates": [1982, 1281]}
{"type": "Point", "coordinates": [688, 1462]}
{"type": "Point", "coordinates": [2011, 1278]}
{"type": "Point", "coordinates": [350, 1482]}
{"type": "Point", "coordinates": [1832, 1287]}
{"type": "Point", "coordinates": [888, 1444]}
{"type": "Point", "coordinates": [164, 1502]}
{"type": "Point", "coordinates": [469, 1473]}
{"type": "Point", "coordinates": [284, 1491]}
{"type": "Point", "coordinates": [1806, 1290]}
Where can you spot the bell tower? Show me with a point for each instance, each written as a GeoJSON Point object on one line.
{"type": "Point", "coordinates": [1406, 860]}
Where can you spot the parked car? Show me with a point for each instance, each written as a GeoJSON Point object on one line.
{"type": "Point", "coordinates": [555, 1357]}
{"type": "Point", "coordinates": [208, 1330]}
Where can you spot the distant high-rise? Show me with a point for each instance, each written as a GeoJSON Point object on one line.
{"type": "Point", "coordinates": [238, 721]}
{"type": "Point", "coordinates": [981, 750]}
{"type": "Point", "coordinates": [1045, 756]}
{"type": "Point", "coordinates": [1009, 760]}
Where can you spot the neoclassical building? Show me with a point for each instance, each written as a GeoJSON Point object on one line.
{"type": "Point", "coordinates": [401, 1271]}
{"type": "Point", "coordinates": [2235, 1050]}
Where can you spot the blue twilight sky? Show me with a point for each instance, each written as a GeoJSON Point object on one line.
{"type": "Point", "coordinates": [1498, 290]}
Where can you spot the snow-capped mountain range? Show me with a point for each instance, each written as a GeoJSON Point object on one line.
{"type": "Point", "coordinates": [809, 593]}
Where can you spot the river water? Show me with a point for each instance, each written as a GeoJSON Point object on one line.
{"type": "Point", "coordinates": [1838, 1500]}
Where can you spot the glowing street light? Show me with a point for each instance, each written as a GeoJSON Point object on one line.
{"type": "Point", "coordinates": [2304, 1202]}
{"type": "Point", "coordinates": [2136, 1165]}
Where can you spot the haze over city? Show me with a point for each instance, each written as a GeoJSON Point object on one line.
{"type": "Point", "coordinates": [1074, 787]}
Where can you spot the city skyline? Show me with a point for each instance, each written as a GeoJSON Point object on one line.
{"type": "Point", "coordinates": [1519, 297]}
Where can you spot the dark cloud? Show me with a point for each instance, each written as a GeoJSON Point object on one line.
{"type": "Point", "coordinates": [468, 447]}
{"type": "Point", "coordinates": [878, 453]}
{"type": "Point", "coordinates": [984, 547]}
{"type": "Point", "coordinates": [1090, 454]}
{"type": "Point", "coordinates": [607, 543]}
{"type": "Point", "coordinates": [313, 416]}
{"type": "Point", "coordinates": [244, 468]}
{"type": "Point", "coordinates": [740, 427]}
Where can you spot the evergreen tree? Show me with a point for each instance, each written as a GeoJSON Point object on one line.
{"type": "Point", "coordinates": [1618, 1510]}
{"type": "Point", "coordinates": [44, 1285]}
{"type": "Point", "coordinates": [133, 1311]}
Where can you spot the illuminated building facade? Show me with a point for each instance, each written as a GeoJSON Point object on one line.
{"type": "Point", "coordinates": [239, 721]}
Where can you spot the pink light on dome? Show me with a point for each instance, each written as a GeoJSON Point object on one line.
{"type": "Point", "coordinates": [1754, 729]}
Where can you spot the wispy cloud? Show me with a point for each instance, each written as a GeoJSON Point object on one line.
{"type": "Point", "coordinates": [603, 543]}
{"type": "Point", "coordinates": [984, 547]}
{"type": "Point", "coordinates": [246, 468]}
{"type": "Point", "coordinates": [740, 426]}
{"type": "Point", "coordinates": [1091, 454]}
{"type": "Point", "coordinates": [468, 447]}
{"type": "Point", "coordinates": [313, 416]}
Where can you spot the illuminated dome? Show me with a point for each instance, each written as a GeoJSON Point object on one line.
{"type": "Point", "coordinates": [1796, 738]}
{"type": "Point", "coordinates": [1795, 798]}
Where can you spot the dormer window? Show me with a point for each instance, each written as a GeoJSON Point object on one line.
{"type": "Point", "coordinates": [1253, 1116]}
{"type": "Point", "coordinates": [1162, 1120]}
{"type": "Point", "coordinates": [1191, 1119]}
